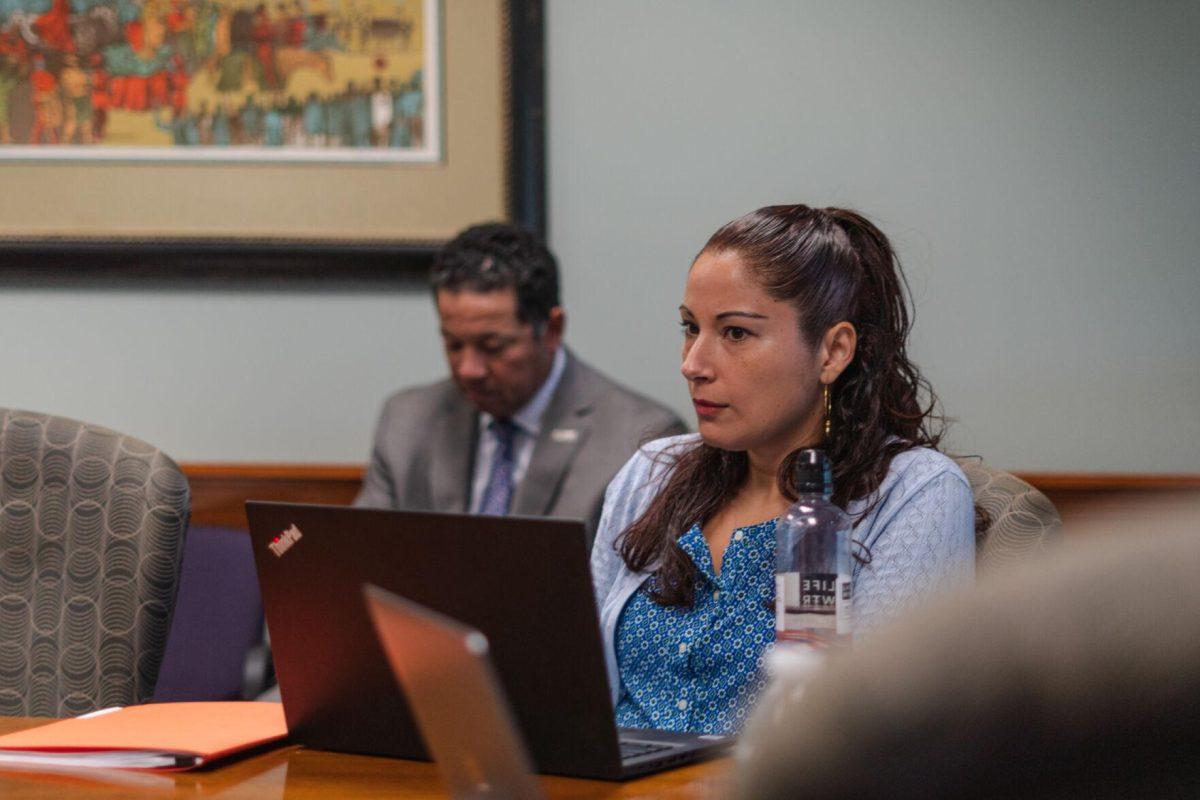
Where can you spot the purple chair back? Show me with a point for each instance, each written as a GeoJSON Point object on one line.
{"type": "Point", "coordinates": [218, 619]}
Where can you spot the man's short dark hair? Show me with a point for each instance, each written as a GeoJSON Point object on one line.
{"type": "Point", "coordinates": [493, 256]}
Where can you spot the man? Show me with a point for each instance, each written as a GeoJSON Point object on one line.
{"type": "Point", "coordinates": [522, 426]}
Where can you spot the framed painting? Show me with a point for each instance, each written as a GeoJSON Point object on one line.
{"type": "Point", "coordinates": [243, 138]}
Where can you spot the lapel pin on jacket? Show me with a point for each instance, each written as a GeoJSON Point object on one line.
{"type": "Point", "coordinates": [564, 435]}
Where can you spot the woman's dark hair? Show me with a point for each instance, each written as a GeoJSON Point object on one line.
{"type": "Point", "coordinates": [831, 265]}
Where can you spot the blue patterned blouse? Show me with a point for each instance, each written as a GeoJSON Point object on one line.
{"type": "Point", "coordinates": [698, 668]}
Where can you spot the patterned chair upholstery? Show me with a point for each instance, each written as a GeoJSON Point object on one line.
{"type": "Point", "coordinates": [1022, 522]}
{"type": "Point", "coordinates": [92, 527]}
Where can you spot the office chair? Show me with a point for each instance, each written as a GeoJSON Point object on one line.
{"type": "Point", "coordinates": [218, 620]}
{"type": "Point", "coordinates": [91, 533]}
{"type": "Point", "coordinates": [1022, 522]}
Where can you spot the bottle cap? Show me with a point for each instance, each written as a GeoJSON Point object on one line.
{"type": "Point", "coordinates": [813, 472]}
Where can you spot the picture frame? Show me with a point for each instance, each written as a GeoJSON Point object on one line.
{"type": "Point", "coordinates": [153, 221]}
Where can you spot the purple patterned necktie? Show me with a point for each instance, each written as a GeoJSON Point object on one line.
{"type": "Point", "coordinates": [499, 490]}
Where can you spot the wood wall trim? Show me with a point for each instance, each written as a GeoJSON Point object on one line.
{"type": "Point", "coordinates": [273, 472]}
{"type": "Point", "coordinates": [220, 490]}
{"type": "Point", "coordinates": [1110, 482]}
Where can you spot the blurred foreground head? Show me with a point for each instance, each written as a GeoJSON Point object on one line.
{"type": "Point", "coordinates": [1075, 677]}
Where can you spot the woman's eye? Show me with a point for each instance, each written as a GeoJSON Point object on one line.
{"type": "Point", "coordinates": [689, 328]}
{"type": "Point", "coordinates": [736, 334]}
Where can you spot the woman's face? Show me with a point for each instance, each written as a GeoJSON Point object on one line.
{"type": "Point", "coordinates": [755, 383]}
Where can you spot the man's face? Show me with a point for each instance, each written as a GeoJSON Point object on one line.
{"type": "Point", "coordinates": [496, 360]}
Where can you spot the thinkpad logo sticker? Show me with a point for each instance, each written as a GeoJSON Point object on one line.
{"type": "Point", "coordinates": [284, 541]}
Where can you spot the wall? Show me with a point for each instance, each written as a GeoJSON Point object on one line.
{"type": "Point", "coordinates": [1036, 164]}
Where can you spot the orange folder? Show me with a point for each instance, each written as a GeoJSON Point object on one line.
{"type": "Point", "coordinates": [153, 736]}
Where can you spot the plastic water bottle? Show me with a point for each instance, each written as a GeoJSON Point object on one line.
{"type": "Point", "coordinates": [812, 561]}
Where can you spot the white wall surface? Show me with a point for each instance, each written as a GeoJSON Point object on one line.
{"type": "Point", "coordinates": [1037, 165]}
{"type": "Point", "coordinates": [219, 376]}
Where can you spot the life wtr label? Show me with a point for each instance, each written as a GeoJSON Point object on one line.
{"type": "Point", "coordinates": [809, 604]}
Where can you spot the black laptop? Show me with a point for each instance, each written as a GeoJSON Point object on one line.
{"type": "Point", "coordinates": [523, 582]}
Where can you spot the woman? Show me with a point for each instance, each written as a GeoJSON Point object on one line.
{"type": "Point", "coordinates": [794, 322]}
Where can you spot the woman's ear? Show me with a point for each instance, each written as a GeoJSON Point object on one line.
{"type": "Point", "coordinates": [837, 351]}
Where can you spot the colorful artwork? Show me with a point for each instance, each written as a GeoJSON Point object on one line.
{"type": "Point", "coordinates": [219, 79]}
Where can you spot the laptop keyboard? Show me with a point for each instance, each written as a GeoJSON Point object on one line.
{"type": "Point", "coordinates": [630, 749]}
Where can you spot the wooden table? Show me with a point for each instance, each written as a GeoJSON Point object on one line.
{"type": "Point", "coordinates": [296, 773]}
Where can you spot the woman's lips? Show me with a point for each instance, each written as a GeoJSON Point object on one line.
{"type": "Point", "coordinates": [708, 409]}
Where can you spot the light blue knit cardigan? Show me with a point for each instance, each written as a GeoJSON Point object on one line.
{"type": "Point", "coordinates": [921, 536]}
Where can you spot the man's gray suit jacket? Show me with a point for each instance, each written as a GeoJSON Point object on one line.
{"type": "Point", "coordinates": [425, 443]}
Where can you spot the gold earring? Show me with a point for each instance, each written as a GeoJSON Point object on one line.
{"type": "Point", "coordinates": [828, 412]}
